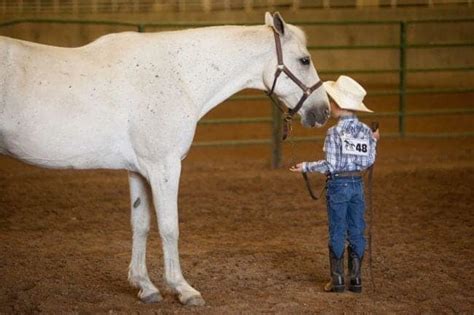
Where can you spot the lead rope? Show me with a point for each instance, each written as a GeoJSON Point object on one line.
{"type": "Point", "coordinates": [371, 224]}
{"type": "Point", "coordinates": [286, 132]}
{"type": "Point", "coordinates": [374, 126]}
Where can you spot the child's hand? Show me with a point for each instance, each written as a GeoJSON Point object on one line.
{"type": "Point", "coordinates": [297, 168]}
{"type": "Point", "coordinates": [376, 134]}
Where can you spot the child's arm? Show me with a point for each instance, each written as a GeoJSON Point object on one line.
{"type": "Point", "coordinates": [304, 167]}
{"type": "Point", "coordinates": [321, 166]}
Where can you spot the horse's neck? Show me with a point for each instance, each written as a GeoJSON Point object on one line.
{"type": "Point", "coordinates": [218, 62]}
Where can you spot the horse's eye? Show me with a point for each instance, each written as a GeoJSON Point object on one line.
{"type": "Point", "coordinates": [305, 61]}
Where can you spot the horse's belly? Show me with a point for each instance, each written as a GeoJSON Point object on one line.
{"type": "Point", "coordinates": [45, 151]}
{"type": "Point", "coordinates": [53, 140]}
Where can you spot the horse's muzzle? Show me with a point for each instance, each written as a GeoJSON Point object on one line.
{"type": "Point", "coordinates": [315, 116]}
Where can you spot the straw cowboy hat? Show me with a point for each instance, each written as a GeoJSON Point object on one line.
{"type": "Point", "coordinates": [347, 93]}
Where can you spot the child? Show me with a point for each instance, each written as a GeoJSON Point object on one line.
{"type": "Point", "coordinates": [350, 148]}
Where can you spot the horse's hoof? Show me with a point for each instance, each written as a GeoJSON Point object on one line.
{"type": "Point", "coordinates": [195, 300]}
{"type": "Point", "coordinates": [152, 298]}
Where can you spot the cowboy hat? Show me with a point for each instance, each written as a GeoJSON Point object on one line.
{"type": "Point", "coordinates": [347, 93]}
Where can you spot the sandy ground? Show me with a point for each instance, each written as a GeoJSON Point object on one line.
{"type": "Point", "coordinates": [252, 241]}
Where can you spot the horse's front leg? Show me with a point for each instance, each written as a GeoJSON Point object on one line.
{"type": "Point", "coordinates": [140, 197]}
{"type": "Point", "coordinates": [164, 180]}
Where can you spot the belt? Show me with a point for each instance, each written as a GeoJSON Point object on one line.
{"type": "Point", "coordinates": [345, 174]}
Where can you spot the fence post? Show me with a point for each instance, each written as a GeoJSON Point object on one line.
{"type": "Point", "coordinates": [402, 82]}
{"type": "Point", "coordinates": [276, 135]}
{"type": "Point", "coordinates": [141, 28]}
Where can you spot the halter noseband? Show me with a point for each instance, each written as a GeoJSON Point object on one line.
{"type": "Point", "coordinates": [306, 90]}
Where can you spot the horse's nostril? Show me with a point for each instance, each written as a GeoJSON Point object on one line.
{"type": "Point", "coordinates": [326, 112]}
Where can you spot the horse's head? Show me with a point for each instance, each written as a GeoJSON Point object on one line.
{"type": "Point", "coordinates": [291, 76]}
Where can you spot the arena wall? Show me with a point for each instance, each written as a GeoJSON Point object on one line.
{"type": "Point", "coordinates": [326, 35]}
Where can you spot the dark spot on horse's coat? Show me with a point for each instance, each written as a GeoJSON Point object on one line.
{"type": "Point", "coordinates": [137, 202]}
{"type": "Point", "coordinates": [138, 65]}
{"type": "Point", "coordinates": [70, 86]}
{"type": "Point", "coordinates": [157, 76]}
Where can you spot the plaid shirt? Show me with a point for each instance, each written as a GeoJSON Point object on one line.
{"type": "Point", "coordinates": [337, 161]}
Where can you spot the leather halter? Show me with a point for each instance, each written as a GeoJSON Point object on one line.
{"type": "Point", "coordinates": [281, 67]}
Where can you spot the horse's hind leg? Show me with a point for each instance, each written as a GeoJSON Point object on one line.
{"type": "Point", "coordinates": [140, 196]}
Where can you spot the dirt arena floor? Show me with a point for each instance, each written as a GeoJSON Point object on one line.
{"type": "Point", "coordinates": [252, 241]}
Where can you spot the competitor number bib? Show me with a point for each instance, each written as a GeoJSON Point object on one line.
{"type": "Point", "coordinates": [355, 146]}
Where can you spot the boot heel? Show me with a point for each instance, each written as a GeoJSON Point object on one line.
{"type": "Point", "coordinates": [338, 288]}
{"type": "Point", "coordinates": [355, 288]}
{"type": "Point", "coordinates": [354, 264]}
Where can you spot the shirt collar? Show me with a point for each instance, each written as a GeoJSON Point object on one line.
{"type": "Point", "coordinates": [343, 120]}
{"type": "Point", "coordinates": [349, 117]}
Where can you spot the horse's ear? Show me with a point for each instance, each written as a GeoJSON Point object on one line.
{"type": "Point", "coordinates": [278, 23]}
{"type": "Point", "coordinates": [275, 21]}
{"type": "Point", "coordinates": [268, 19]}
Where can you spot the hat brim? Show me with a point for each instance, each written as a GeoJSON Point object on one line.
{"type": "Point", "coordinates": [335, 94]}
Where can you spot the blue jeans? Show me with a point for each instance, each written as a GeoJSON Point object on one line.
{"type": "Point", "coordinates": [346, 207]}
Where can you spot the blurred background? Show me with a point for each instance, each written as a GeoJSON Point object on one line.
{"type": "Point", "coordinates": [252, 240]}
{"type": "Point", "coordinates": [415, 57]}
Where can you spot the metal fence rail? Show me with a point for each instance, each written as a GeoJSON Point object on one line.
{"type": "Point", "coordinates": [142, 6]}
{"type": "Point", "coordinates": [402, 91]}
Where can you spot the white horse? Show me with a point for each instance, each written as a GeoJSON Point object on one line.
{"type": "Point", "coordinates": [132, 101]}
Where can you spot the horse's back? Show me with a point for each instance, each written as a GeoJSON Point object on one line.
{"type": "Point", "coordinates": [56, 111]}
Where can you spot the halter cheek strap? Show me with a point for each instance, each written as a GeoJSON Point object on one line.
{"type": "Point", "coordinates": [281, 67]}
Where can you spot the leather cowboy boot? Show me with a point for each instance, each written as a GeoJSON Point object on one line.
{"type": "Point", "coordinates": [336, 284]}
{"type": "Point", "coordinates": [354, 264]}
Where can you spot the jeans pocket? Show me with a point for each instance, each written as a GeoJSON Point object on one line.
{"type": "Point", "coordinates": [338, 193]}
